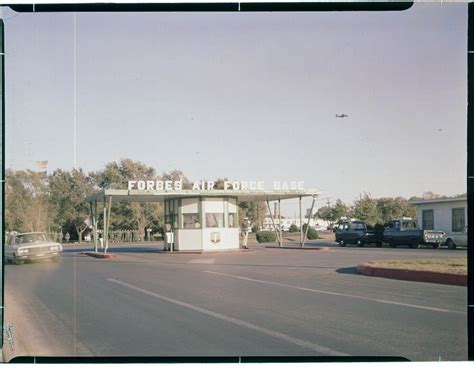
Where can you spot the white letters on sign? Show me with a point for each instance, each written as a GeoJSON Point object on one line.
{"type": "Point", "coordinates": [211, 186]}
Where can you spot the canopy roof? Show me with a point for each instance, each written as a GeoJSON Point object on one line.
{"type": "Point", "coordinates": [158, 196]}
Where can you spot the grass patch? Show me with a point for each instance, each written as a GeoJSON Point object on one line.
{"type": "Point", "coordinates": [447, 265]}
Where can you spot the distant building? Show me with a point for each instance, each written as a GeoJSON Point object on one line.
{"type": "Point", "coordinates": [447, 214]}
{"type": "Point", "coordinates": [318, 224]}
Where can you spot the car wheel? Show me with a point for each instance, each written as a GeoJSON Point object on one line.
{"type": "Point", "coordinates": [435, 245]}
{"type": "Point", "coordinates": [378, 244]}
{"type": "Point", "coordinates": [16, 260]}
{"type": "Point", "coordinates": [414, 244]}
{"type": "Point", "coordinates": [451, 244]}
{"type": "Point", "coordinates": [360, 243]}
{"type": "Point", "coordinates": [342, 243]}
{"type": "Point", "coordinates": [392, 243]}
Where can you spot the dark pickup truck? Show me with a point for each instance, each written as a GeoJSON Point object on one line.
{"type": "Point", "coordinates": [356, 233]}
{"type": "Point", "coordinates": [405, 232]}
{"type": "Point", "coordinates": [396, 232]}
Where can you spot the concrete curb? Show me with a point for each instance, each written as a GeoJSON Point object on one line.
{"type": "Point", "coordinates": [413, 275]}
{"type": "Point", "coordinates": [204, 252]}
{"type": "Point", "coordinates": [298, 248]}
{"type": "Point", "coordinates": [99, 255]}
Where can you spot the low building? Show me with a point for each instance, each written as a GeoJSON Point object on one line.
{"type": "Point", "coordinates": [318, 224]}
{"type": "Point", "coordinates": [446, 214]}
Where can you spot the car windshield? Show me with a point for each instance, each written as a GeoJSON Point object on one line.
{"type": "Point", "coordinates": [31, 238]}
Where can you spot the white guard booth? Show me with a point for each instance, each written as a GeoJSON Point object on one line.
{"type": "Point", "coordinates": [203, 223]}
{"type": "Point", "coordinates": [196, 220]}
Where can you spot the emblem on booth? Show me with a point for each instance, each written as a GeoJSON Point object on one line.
{"type": "Point", "coordinates": [215, 237]}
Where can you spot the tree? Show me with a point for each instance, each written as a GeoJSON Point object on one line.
{"type": "Point", "coordinates": [365, 209]}
{"type": "Point", "coordinates": [68, 192]}
{"type": "Point", "coordinates": [333, 214]}
{"type": "Point", "coordinates": [26, 195]}
{"type": "Point", "coordinates": [293, 228]}
{"type": "Point", "coordinates": [133, 215]}
{"type": "Point", "coordinates": [392, 208]}
{"type": "Point", "coordinates": [254, 210]}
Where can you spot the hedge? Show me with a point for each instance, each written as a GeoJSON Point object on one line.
{"type": "Point", "coordinates": [265, 236]}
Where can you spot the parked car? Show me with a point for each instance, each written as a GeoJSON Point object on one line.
{"type": "Point", "coordinates": [405, 232]}
{"type": "Point", "coordinates": [356, 233]}
{"type": "Point", "coordinates": [20, 247]}
{"type": "Point", "coordinates": [455, 239]}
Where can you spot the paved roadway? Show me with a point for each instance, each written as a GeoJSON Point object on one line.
{"type": "Point", "coordinates": [262, 302]}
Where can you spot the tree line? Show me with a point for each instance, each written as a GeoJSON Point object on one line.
{"type": "Point", "coordinates": [56, 202]}
{"type": "Point", "coordinates": [37, 202]}
{"type": "Point", "coordinates": [374, 211]}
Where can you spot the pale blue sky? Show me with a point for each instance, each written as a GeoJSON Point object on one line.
{"type": "Point", "coordinates": [249, 96]}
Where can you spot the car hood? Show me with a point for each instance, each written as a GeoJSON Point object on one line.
{"type": "Point", "coordinates": [38, 244]}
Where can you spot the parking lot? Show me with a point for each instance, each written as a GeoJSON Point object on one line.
{"type": "Point", "coordinates": [262, 302]}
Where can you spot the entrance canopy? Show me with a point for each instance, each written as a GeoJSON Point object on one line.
{"type": "Point", "coordinates": [202, 219]}
{"type": "Point", "coordinates": [160, 196]}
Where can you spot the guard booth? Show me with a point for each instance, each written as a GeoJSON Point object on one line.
{"type": "Point", "coordinates": [203, 223]}
{"type": "Point", "coordinates": [195, 220]}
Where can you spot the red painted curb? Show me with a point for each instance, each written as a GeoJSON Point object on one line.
{"type": "Point", "coordinates": [413, 275]}
{"type": "Point", "coordinates": [99, 255]}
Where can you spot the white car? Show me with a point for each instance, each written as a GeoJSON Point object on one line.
{"type": "Point", "coordinates": [31, 246]}
{"type": "Point", "coordinates": [454, 239]}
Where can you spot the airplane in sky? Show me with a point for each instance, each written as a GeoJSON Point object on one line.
{"type": "Point", "coordinates": [341, 115]}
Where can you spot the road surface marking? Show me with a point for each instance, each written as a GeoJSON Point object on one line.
{"type": "Point", "coordinates": [201, 261]}
{"type": "Point", "coordinates": [306, 344]}
{"type": "Point", "coordinates": [334, 293]}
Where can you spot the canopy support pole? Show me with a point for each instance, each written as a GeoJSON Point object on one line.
{"type": "Point", "coordinates": [301, 226]}
{"type": "Point", "coordinates": [273, 221]}
{"type": "Point", "coordinates": [109, 206]}
{"type": "Point", "coordinates": [279, 223]}
{"type": "Point", "coordinates": [95, 225]}
{"type": "Point", "coordinates": [310, 215]}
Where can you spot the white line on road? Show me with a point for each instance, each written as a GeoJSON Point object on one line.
{"type": "Point", "coordinates": [334, 293]}
{"type": "Point", "coordinates": [269, 332]}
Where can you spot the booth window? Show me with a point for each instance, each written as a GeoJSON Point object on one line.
{"type": "Point", "coordinates": [191, 221]}
{"type": "Point", "coordinates": [215, 220]}
{"type": "Point", "coordinates": [232, 220]}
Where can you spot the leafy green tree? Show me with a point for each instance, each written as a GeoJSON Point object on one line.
{"type": "Point", "coordinates": [133, 215]}
{"type": "Point", "coordinates": [392, 208]}
{"type": "Point", "coordinates": [254, 210]}
{"type": "Point", "coordinates": [67, 195]}
{"type": "Point", "coordinates": [334, 213]}
{"type": "Point", "coordinates": [365, 209]}
{"type": "Point", "coordinates": [26, 199]}
{"type": "Point", "coordinates": [293, 228]}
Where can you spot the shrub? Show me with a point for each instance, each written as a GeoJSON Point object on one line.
{"type": "Point", "coordinates": [293, 228]}
{"type": "Point", "coordinates": [312, 234]}
{"type": "Point", "coordinates": [255, 229]}
{"type": "Point", "coordinates": [265, 236]}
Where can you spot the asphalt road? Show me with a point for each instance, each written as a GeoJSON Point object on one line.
{"type": "Point", "coordinates": [263, 302]}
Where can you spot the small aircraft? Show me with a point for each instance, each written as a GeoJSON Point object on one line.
{"type": "Point", "coordinates": [341, 115]}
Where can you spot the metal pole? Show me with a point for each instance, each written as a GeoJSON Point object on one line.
{"type": "Point", "coordinates": [92, 217]}
{"type": "Point", "coordinates": [301, 226]}
{"type": "Point", "coordinates": [309, 219]}
{"type": "Point", "coordinates": [96, 223]}
{"type": "Point", "coordinates": [104, 231]}
{"type": "Point", "coordinates": [273, 221]}
{"type": "Point", "coordinates": [108, 222]}
{"type": "Point", "coordinates": [279, 221]}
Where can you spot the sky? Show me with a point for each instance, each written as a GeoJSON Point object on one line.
{"type": "Point", "coordinates": [248, 96]}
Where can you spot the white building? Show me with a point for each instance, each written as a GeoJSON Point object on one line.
{"type": "Point", "coordinates": [318, 224]}
{"type": "Point", "coordinates": [448, 214]}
